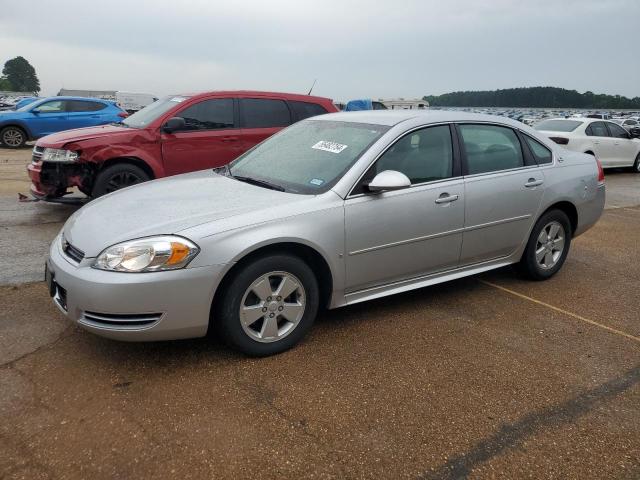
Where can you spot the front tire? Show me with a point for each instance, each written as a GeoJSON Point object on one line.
{"type": "Point", "coordinates": [13, 137]}
{"type": "Point", "coordinates": [268, 306]}
{"type": "Point", "coordinates": [116, 177]}
{"type": "Point", "coordinates": [547, 247]}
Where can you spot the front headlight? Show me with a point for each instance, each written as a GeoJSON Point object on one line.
{"type": "Point", "coordinates": [59, 155]}
{"type": "Point", "coordinates": [151, 254]}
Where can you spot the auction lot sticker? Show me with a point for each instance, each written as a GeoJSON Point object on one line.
{"type": "Point", "coordinates": [327, 146]}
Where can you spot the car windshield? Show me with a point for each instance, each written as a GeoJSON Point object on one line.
{"type": "Point", "coordinates": [31, 105]}
{"type": "Point", "coordinates": [308, 157]}
{"type": "Point", "coordinates": [148, 114]}
{"type": "Point", "coordinates": [558, 125]}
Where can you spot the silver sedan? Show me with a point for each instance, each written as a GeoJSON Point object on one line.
{"type": "Point", "coordinates": [332, 211]}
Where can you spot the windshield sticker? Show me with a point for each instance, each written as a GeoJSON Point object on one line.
{"type": "Point", "coordinates": [332, 147]}
{"type": "Point", "coordinates": [316, 181]}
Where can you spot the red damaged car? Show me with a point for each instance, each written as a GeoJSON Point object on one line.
{"type": "Point", "coordinates": [177, 134]}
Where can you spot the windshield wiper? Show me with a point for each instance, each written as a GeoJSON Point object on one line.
{"type": "Point", "coordinates": [259, 183]}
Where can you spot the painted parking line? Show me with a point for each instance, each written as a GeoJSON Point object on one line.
{"type": "Point", "coordinates": [565, 312]}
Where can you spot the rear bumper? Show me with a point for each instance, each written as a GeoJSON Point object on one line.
{"type": "Point", "coordinates": [133, 306]}
{"type": "Point", "coordinates": [591, 210]}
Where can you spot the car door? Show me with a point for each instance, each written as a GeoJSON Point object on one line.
{"type": "Point", "coordinates": [260, 118]}
{"type": "Point", "coordinates": [625, 149]}
{"type": "Point", "coordinates": [503, 190]}
{"type": "Point", "coordinates": [210, 137]}
{"type": "Point", "coordinates": [415, 231]}
{"type": "Point", "coordinates": [48, 117]}
{"type": "Point", "coordinates": [603, 144]}
{"type": "Point", "coordinates": [84, 113]}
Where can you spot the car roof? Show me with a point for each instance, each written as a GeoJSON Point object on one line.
{"type": "Point", "coordinates": [77, 98]}
{"type": "Point", "coordinates": [259, 93]}
{"type": "Point", "coordinates": [394, 117]}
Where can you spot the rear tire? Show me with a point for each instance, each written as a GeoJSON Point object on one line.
{"type": "Point", "coordinates": [251, 316]}
{"type": "Point", "coordinates": [636, 165]}
{"type": "Point", "coordinates": [547, 247]}
{"type": "Point", "coordinates": [116, 177]}
{"type": "Point", "coordinates": [13, 137]}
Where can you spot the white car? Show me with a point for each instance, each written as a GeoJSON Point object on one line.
{"type": "Point", "coordinates": [607, 141]}
{"type": "Point", "coordinates": [627, 123]}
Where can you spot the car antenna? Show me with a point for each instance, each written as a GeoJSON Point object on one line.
{"type": "Point", "coordinates": [313, 85]}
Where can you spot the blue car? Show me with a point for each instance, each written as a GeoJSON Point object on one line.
{"type": "Point", "coordinates": [25, 101]}
{"type": "Point", "coordinates": [54, 114]}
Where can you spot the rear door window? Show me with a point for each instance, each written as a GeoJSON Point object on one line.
{"type": "Point", "coordinates": [84, 106]}
{"type": "Point", "coordinates": [264, 113]}
{"type": "Point", "coordinates": [490, 148]}
{"type": "Point", "coordinates": [302, 110]}
{"type": "Point", "coordinates": [214, 114]}
{"type": "Point", "coordinates": [597, 129]}
{"type": "Point", "coordinates": [541, 153]}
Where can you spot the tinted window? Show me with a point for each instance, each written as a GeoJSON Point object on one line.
{"type": "Point", "coordinates": [617, 131]}
{"type": "Point", "coordinates": [264, 113]}
{"type": "Point", "coordinates": [630, 122]}
{"type": "Point", "coordinates": [541, 153]}
{"type": "Point", "coordinates": [303, 110]}
{"type": "Point", "coordinates": [423, 156]}
{"type": "Point", "coordinates": [558, 125]}
{"type": "Point", "coordinates": [378, 106]}
{"type": "Point", "coordinates": [597, 129]}
{"type": "Point", "coordinates": [51, 107]}
{"type": "Point", "coordinates": [209, 115]}
{"type": "Point", "coordinates": [84, 106]}
{"type": "Point", "coordinates": [490, 148]}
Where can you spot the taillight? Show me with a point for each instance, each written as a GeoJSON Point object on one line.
{"type": "Point", "coordinates": [560, 140]}
{"type": "Point", "coordinates": [123, 114]}
{"type": "Point", "coordinates": [600, 172]}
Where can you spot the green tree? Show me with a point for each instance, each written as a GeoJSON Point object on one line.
{"type": "Point", "coordinates": [5, 85]}
{"type": "Point", "coordinates": [21, 75]}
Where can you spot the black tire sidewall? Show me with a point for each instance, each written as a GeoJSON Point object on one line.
{"type": "Point", "coordinates": [528, 264]}
{"type": "Point", "coordinates": [102, 179]}
{"type": "Point", "coordinates": [226, 319]}
{"type": "Point", "coordinates": [636, 164]}
{"type": "Point", "coordinates": [22, 132]}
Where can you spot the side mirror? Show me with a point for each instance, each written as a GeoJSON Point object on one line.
{"type": "Point", "coordinates": [174, 124]}
{"type": "Point", "coordinates": [389, 180]}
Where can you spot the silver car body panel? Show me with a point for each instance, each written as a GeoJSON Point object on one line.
{"type": "Point", "coordinates": [373, 245]}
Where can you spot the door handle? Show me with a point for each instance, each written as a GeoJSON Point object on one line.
{"type": "Point", "coordinates": [229, 139]}
{"type": "Point", "coordinates": [533, 183]}
{"type": "Point", "coordinates": [596, 142]}
{"type": "Point", "coordinates": [446, 198]}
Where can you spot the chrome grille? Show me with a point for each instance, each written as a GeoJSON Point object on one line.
{"type": "Point", "coordinates": [72, 252]}
{"type": "Point", "coordinates": [36, 155]}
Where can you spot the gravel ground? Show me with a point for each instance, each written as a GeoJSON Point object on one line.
{"type": "Point", "coordinates": [486, 377]}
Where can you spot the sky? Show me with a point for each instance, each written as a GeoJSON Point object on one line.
{"type": "Point", "coordinates": [355, 49]}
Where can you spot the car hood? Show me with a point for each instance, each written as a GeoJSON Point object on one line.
{"type": "Point", "coordinates": [58, 140]}
{"type": "Point", "coordinates": [167, 206]}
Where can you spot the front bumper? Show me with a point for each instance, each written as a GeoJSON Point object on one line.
{"type": "Point", "coordinates": [50, 180]}
{"type": "Point", "coordinates": [133, 306]}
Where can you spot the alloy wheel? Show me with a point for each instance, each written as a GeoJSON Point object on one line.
{"type": "Point", "coordinates": [550, 245]}
{"type": "Point", "coordinates": [122, 180]}
{"type": "Point", "coordinates": [272, 306]}
{"type": "Point", "coordinates": [12, 137]}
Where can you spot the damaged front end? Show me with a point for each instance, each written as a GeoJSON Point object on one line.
{"type": "Point", "coordinates": [53, 172]}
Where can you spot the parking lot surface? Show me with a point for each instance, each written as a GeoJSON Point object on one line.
{"type": "Point", "coordinates": [485, 377]}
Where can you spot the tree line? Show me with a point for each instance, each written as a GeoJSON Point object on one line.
{"type": "Point", "coordinates": [535, 97]}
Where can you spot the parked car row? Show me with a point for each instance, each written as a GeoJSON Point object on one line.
{"type": "Point", "coordinates": [608, 141]}
{"type": "Point", "coordinates": [337, 209]}
{"type": "Point", "coordinates": [177, 134]}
